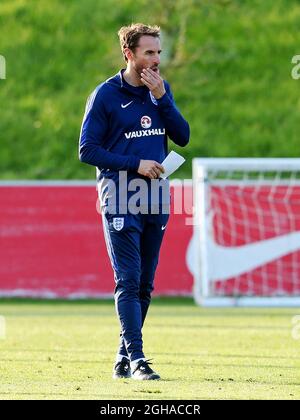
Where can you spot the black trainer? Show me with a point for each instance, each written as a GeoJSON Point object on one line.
{"type": "Point", "coordinates": [122, 369]}
{"type": "Point", "coordinates": [144, 372]}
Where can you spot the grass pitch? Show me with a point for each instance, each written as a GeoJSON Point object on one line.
{"type": "Point", "coordinates": [65, 350]}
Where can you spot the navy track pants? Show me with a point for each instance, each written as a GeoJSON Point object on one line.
{"type": "Point", "coordinates": [133, 243]}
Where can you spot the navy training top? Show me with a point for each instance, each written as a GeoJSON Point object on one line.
{"type": "Point", "coordinates": [123, 124]}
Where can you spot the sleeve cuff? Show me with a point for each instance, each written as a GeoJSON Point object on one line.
{"type": "Point", "coordinates": [164, 100]}
{"type": "Point", "coordinates": [134, 163]}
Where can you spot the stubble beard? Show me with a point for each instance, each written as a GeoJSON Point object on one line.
{"type": "Point", "coordinates": [138, 70]}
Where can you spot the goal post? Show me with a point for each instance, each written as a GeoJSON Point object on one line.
{"type": "Point", "coordinates": [246, 231]}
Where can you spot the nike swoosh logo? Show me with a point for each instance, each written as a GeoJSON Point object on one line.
{"type": "Point", "coordinates": [126, 105]}
{"type": "Point", "coordinates": [237, 260]}
{"type": "Point", "coordinates": [163, 227]}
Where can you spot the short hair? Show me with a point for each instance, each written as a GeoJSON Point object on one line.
{"type": "Point", "coordinates": [129, 36]}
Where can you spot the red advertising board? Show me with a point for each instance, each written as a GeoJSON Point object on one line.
{"type": "Point", "coordinates": [52, 244]}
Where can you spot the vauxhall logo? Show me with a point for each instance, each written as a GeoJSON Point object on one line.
{"type": "Point", "coordinates": [146, 122]}
{"type": "Point", "coordinates": [142, 133]}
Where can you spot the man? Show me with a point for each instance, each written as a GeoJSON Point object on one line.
{"type": "Point", "coordinates": [124, 133]}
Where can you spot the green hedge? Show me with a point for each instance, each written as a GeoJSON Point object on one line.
{"type": "Point", "coordinates": [228, 62]}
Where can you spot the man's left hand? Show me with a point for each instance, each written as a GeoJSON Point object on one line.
{"type": "Point", "coordinates": [154, 82]}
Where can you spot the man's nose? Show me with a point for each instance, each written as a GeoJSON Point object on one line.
{"type": "Point", "coordinates": [157, 60]}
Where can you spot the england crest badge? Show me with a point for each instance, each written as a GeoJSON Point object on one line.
{"type": "Point", "coordinates": [118, 223]}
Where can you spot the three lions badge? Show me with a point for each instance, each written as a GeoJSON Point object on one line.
{"type": "Point", "coordinates": [118, 223]}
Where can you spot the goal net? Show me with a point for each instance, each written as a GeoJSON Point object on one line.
{"type": "Point", "coordinates": [247, 232]}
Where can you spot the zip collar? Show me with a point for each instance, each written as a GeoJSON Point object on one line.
{"type": "Point", "coordinates": [118, 80]}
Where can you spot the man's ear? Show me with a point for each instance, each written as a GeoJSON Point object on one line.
{"type": "Point", "coordinates": [128, 53]}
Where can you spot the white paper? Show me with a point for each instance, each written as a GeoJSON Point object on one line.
{"type": "Point", "coordinates": [171, 164]}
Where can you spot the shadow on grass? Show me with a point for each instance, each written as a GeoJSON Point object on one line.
{"type": "Point", "coordinates": [157, 300]}
{"type": "Point", "coordinates": [160, 301]}
{"type": "Point", "coordinates": [156, 354]}
{"type": "Point", "coordinates": [195, 363]}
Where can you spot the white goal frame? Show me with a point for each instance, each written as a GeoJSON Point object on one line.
{"type": "Point", "coordinates": [201, 168]}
